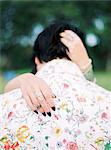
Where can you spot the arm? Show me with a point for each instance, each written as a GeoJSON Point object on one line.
{"type": "Point", "coordinates": [78, 53]}
{"type": "Point", "coordinates": [35, 91]}
{"type": "Point", "coordinates": [12, 84]}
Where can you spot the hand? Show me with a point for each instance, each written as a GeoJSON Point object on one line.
{"type": "Point", "coordinates": [77, 52]}
{"type": "Point", "coordinates": [36, 93]}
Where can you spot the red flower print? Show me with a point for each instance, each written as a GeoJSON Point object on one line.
{"type": "Point", "coordinates": [10, 114]}
{"type": "Point", "coordinates": [15, 145]}
{"type": "Point", "coordinates": [9, 146]}
{"type": "Point", "coordinates": [104, 115]}
{"type": "Point", "coordinates": [71, 146]}
{"type": "Point", "coordinates": [64, 141]}
{"type": "Point", "coordinates": [66, 85]}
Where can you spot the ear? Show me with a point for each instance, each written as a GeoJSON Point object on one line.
{"type": "Point", "coordinates": [37, 62]}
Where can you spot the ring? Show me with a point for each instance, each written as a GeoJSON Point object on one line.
{"type": "Point", "coordinates": [39, 97]}
{"type": "Point", "coordinates": [39, 106]}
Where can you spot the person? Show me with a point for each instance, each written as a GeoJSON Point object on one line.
{"type": "Point", "coordinates": [77, 53]}
{"type": "Point", "coordinates": [81, 120]}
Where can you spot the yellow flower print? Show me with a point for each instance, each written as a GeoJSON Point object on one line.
{"type": "Point", "coordinates": [57, 131]}
{"type": "Point", "coordinates": [22, 133]}
{"type": "Point", "coordinates": [99, 98]}
{"type": "Point", "coordinates": [6, 102]}
{"type": "Point", "coordinates": [4, 139]}
{"type": "Point", "coordinates": [99, 141]}
{"type": "Point", "coordinates": [64, 105]}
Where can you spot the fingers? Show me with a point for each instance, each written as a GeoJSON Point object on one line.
{"type": "Point", "coordinates": [27, 98]}
{"type": "Point", "coordinates": [47, 93]}
{"type": "Point", "coordinates": [65, 42]}
{"type": "Point", "coordinates": [31, 99]}
{"type": "Point", "coordinates": [68, 38]}
{"type": "Point", "coordinates": [66, 35]}
{"type": "Point", "coordinates": [34, 101]}
{"type": "Point", "coordinates": [72, 41]}
{"type": "Point", "coordinates": [37, 94]}
{"type": "Point", "coordinates": [29, 102]}
{"type": "Point", "coordinates": [69, 33]}
{"type": "Point", "coordinates": [37, 99]}
{"type": "Point", "coordinates": [42, 102]}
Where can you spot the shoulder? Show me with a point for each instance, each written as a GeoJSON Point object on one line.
{"type": "Point", "coordinates": [60, 66]}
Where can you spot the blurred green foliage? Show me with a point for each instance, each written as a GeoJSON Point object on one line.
{"type": "Point", "coordinates": [19, 19]}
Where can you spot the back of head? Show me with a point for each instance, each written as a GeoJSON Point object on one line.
{"type": "Point", "coordinates": [48, 46]}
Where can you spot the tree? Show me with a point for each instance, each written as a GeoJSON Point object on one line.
{"type": "Point", "coordinates": [18, 20]}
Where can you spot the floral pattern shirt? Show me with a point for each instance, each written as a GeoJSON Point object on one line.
{"type": "Point", "coordinates": [81, 120]}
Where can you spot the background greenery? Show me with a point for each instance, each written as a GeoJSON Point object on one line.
{"type": "Point", "coordinates": [21, 21]}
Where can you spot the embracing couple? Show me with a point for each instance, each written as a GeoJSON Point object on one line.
{"type": "Point", "coordinates": [59, 106]}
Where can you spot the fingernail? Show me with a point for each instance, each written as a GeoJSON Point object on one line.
{"type": "Point", "coordinates": [36, 111]}
{"type": "Point", "coordinates": [49, 114]}
{"type": "Point", "coordinates": [44, 114]}
{"type": "Point", "coordinates": [53, 96]}
{"type": "Point", "coordinates": [53, 108]}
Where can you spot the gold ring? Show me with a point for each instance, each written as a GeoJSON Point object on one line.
{"type": "Point", "coordinates": [39, 97]}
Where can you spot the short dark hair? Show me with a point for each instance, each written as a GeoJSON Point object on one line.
{"type": "Point", "coordinates": [48, 46]}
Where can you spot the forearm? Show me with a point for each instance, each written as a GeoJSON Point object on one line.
{"type": "Point", "coordinates": [18, 81]}
{"type": "Point", "coordinates": [12, 84]}
{"type": "Point", "coordinates": [85, 64]}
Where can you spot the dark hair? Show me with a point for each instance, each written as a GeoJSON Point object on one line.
{"type": "Point", "coordinates": [48, 46]}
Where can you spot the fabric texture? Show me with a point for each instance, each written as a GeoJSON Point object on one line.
{"type": "Point", "coordinates": [81, 120]}
{"type": "Point", "coordinates": [89, 75]}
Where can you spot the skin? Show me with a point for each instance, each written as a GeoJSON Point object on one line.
{"type": "Point", "coordinates": [77, 52]}
{"type": "Point", "coordinates": [45, 97]}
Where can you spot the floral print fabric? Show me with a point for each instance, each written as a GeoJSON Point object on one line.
{"type": "Point", "coordinates": [81, 120]}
